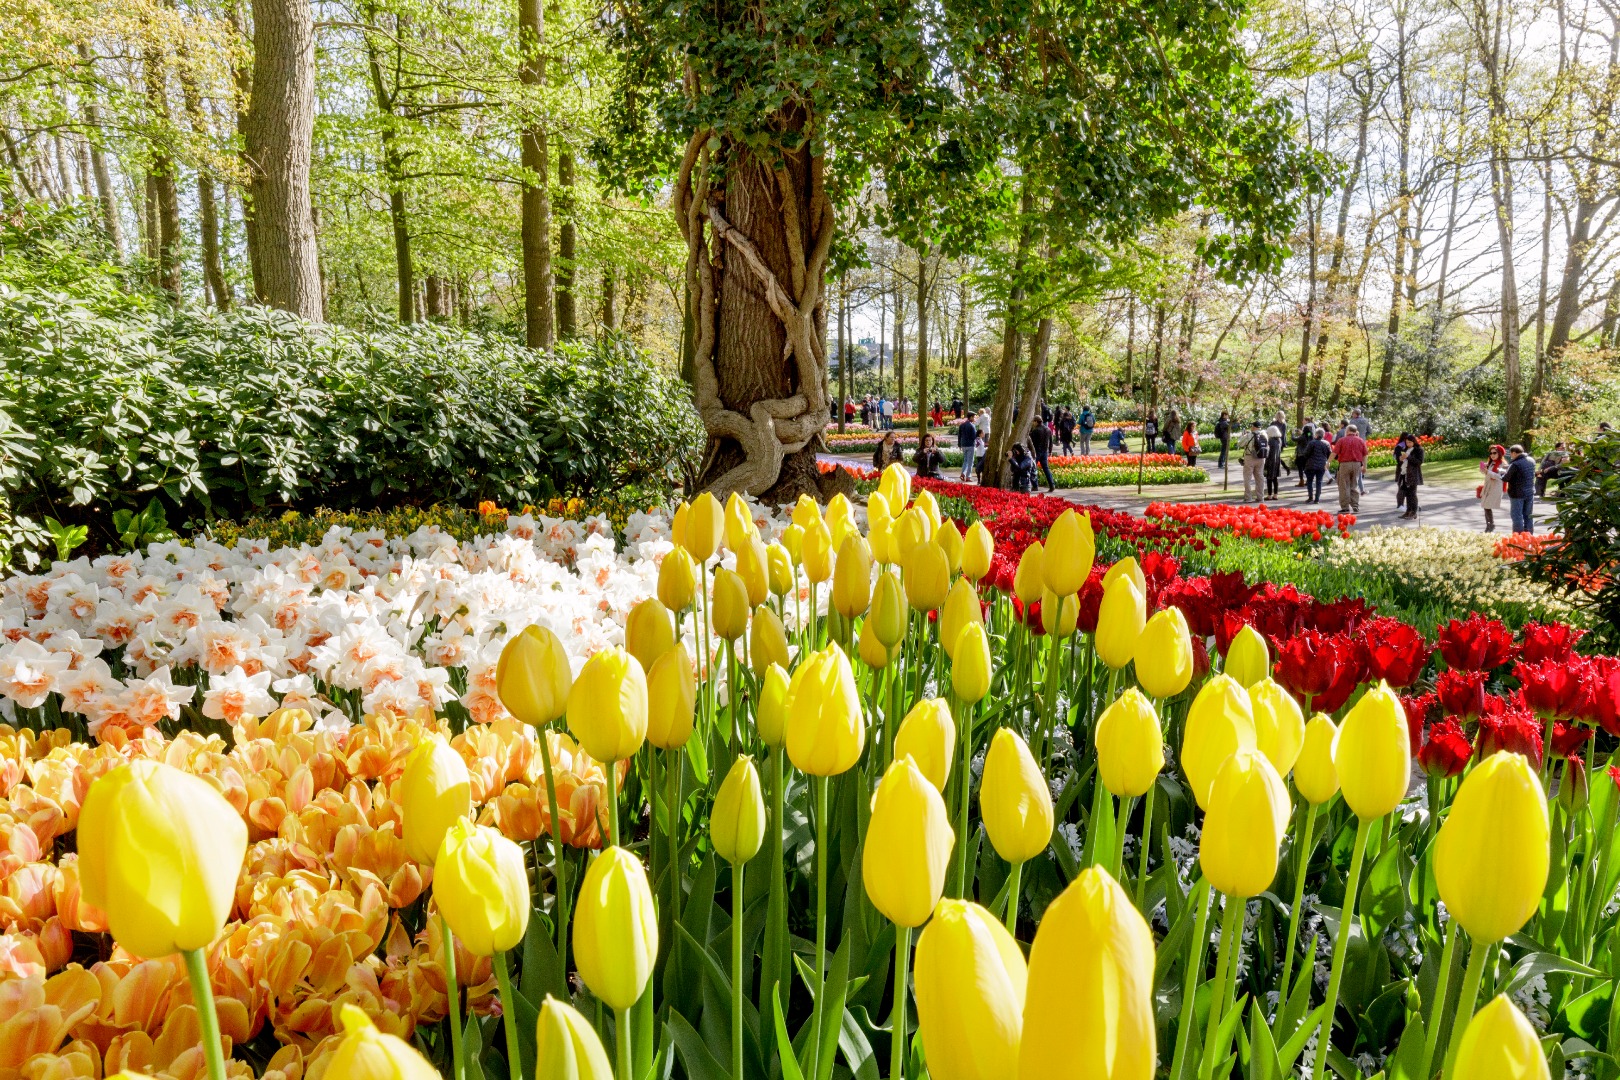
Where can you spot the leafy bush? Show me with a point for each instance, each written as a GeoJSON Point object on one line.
{"type": "Point", "coordinates": [1583, 564]}
{"type": "Point", "coordinates": [226, 415]}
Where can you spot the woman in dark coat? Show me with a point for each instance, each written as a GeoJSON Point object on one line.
{"type": "Point", "coordinates": [887, 453]}
{"type": "Point", "coordinates": [1409, 474]}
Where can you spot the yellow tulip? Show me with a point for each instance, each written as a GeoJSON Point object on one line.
{"type": "Point", "coordinates": [751, 568]}
{"type": "Point", "coordinates": [911, 530]}
{"type": "Point", "coordinates": [671, 699]}
{"type": "Point", "coordinates": [1279, 725]}
{"type": "Point", "coordinates": [533, 676]}
{"type": "Point", "coordinates": [705, 523]}
{"type": "Point", "coordinates": [870, 648]}
{"type": "Point", "coordinates": [1120, 621]}
{"type": "Point", "coordinates": [949, 539]}
{"type": "Point", "coordinates": [607, 712]}
{"type": "Point", "coordinates": [1373, 755]}
{"type": "Point", "coordinates": [1071, 547]}
{"type": "Point", "coordinates": [927, 576]}
{"type": "Point", "coordinates": [770, 719]}
{"type": "Point", "coordinates": [1492, 855]}
{"type": "Point", "coordinates": [1088, 1006]}
{"type": "Point", "coordinates": [615, 928]}
{"type": "Point", "coordinates": [649, 633]}
{"type": "Point", "coordinates": [433, 793]}
{"type": "Point", "coordinates": [1314, 772]}
{"type": "Point", "coordinates": [1243, 825]}
{"type": "Point", "coordinates": [895, 484]}
{"type": "Point", "coordinates": [1126, 567]}
{"type": "Point", "coordinates": [928, 736]}
{"type": "Point", "coordinates": [880, 538]}
{"type": "Point", "coordinates": [1248, 658]}
{"type": "Point", "coordinates": [767, 640]}
{"type": "Point", "coordinates": [805, 511]}
{"type": "Point", "coordinates": [481, 886]}
{"type": "Point", "coordinates": [1028, 579]}
{"type": "Point", "coordinates": [817, 552]}
{"type": "Point", "coordinates": [729, 613]}
{"type": "Point", "coordinates": [852, 578]}
{"type": "Point", "coordinates": [364, 1053]}
{"type": "Point", "coordinates": [838, 509]}
{"type": "Point", "coordinates": [970, 664]}
{"type": "Point", "coordinates": [1059, 614]}
{"type": "Point", "coordinates": [969, 987]}
{"type": "Point", "coordinates": [738, 523]}
{"type": "Point", "coordinates": [566, 1046]}
{"type": "Point", "coordinates": [887, 614]}
{"type": "Point", "coordinates": [779, 570]}
{"type": "Point", "coordinates": [737, 822]}
{"type": "Point", "coordinates": [1014, 801]}
{"type": "Point", "coordinates": [677, 580]}
{"type": "Point", "coordinates": [925, 501]}
{"type": "Point", "coordinates": [1164, 654]}
{"type": "Point", "coordinates": [978, 548]}
{"type": "Point", "coordinates": [160, 851]}
{"type": "Point", "coordinates": [842, 530]}
{"type": "Point", "coordinates": [1219, 723]}
{"type": "Point", "coordinates": [1130, 747]}
{"type": "Point", "coordinates": [825, 726]}
{"type": "Point", "coordinates": [878, 510]}
{"type": "Point", "coordinates": [908, 845]}
{"type": "Point", "coordinates": [677, 525]}
{"type": "Point", "coordinates": [793, 542]}
{"type": "Point", "coordinates": [960, 608]}
{"type": "Point", "coordinates": [1500, 1044]}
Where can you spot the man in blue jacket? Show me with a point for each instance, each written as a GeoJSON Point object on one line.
{"type": "Point", "coordinates": [966, 433]}
{"type": "Point", "coordinates": [1521, 489]}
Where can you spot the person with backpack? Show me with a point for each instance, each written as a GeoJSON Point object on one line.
{"type": "Point", "coordinates": [966, 436]}
{"type": "Point", "coordinates": [1087, 424]}
{"type": "Point", "coordinates": [1252, 449]}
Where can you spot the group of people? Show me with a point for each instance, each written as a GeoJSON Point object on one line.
{"type": "Point", "coordinates": [877, 411]}
{"type": "Point", "coordinates": [1317, 448]}
{"type": "Point", "coordinates": [1028, 461]}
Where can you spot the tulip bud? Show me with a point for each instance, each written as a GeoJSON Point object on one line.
{"type": "Point", "coordinates": [839, 509]}
{"type": "Point", "coordinates": [880, 538]}
{"type": "Point", "coordinates": [1164, 654]}
{"type": "Point", "coordinates": [1120, 621]}
{"type": "Point", "coordinates": [1088, 1006]}
{"type": "Point", "coordinates": [159, 853]}
{"type": "Point", "coordinates": [729, 613]}
{"type": "Point", "coordinates": [705, 522]}
{"type": "Point", "coordinates": [1500, 1044]}
{"type": "Point", "coordinates": [481, 887]}
{"type": "Point", "coordinates": [671, 699]}
{"type": "Point", "coordinates": [825, 726]}
{"type": "Point", "coordinates": [949, 539]}
{"type": "Point", "coordinates": [1373, 754]}
{"type": "Point", "coordinates": [1028, 581]}
{"type": "Point", "coordinates": [1248, 658]}
{"type": "Point", "coordinates": [767, 641]}
{"type": "Point", "coordinates": [738, 523]}
{"type": "Point", "coordinates": [852, 578]}
{"type": "Point", "coordinates": [1243, 825]}
{"type": "Point", "coordinates": [895, 484]}
{"type": "Point", "coordinates": [873, 653]}
{"type": "Point", "coordinates": [928, 736]}
{"type": "Point", "coordinates": [779, 570]}
{"type": "Point", "coordinates": [969, 987]}
{"type": "Point", "coordinates": [911, 530]}
{"type": "Point", "coordinates": [770, 717]}
{"type": "Point", "coordinates": [677, 524]}
{"type": "Point", "coordinates": [960, 608]}
{"type": "Point", "coordinates": [924, 501]}
{"type": "Point", "coordinates": [364, 1053]}
{"type": "Point", "coordinates": [648, 634]}
{"type": "Point", "coordinates": [908, 845]}
{"type": "Point", "coordinates": [677, 580]}
{"type": "Point", "coordinates": [978, 547]}
{"type": "Point", "coordinates": [1014, 801]}
{"type": "Point", "coordinates": [1219, 723]}
{"type": "Point", "coordinates": [533, 676]}
{"type": "Point", "coordinates": [878, 510]}
{"type": "Point", "coordinates": [607, 711]}
{"type": "Point", "coordinates": [1491, 857]}
{"type": "Point", "coordinates": [970, 664]}
{"type": "Point", "coordinates": [817, 552]}
{"type": "Point", "coordinates": [792, 539]}
{"type": "Point", "coordinates": [1059, 614]}
{"type": "Point", "coordinates": [1126, 567]}
{"type": "Point", "coordinates": [751, 569]}
{"type": "Point", "coordinates": [433, 793]}
{"type": "Point", "coordinates": [737, 823]}
{"type": "Point", "coordinates": [1071, 548]}
{"type": "Point", "coordinates": [566, 1046]}
{"type": "Point", "coordinates": [1279, 725]}
{"type": "Point", "coordinates": [927, 576]}
{"type": "Point", "coordinates": [887, 615]}
{"type": "Point", "coordinates": [805, 511]}
{"type": "Point", "coordinates": [1314, 772]}
{"type": "Point", "coordinates": [1130, 747]}
{"type": "Point", "coordinates": [615, 928]}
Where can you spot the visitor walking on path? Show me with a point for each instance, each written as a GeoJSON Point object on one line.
{"type": "Point", "coordinates": [1189, 444]}
{"type": "Point", "coordinates": [1351, 454]}
{"type": "Point", "coordinates": [1040, 441]}
{"type": "Point", "coordinates": [966, 435]}
{"type": "Point", "coordinates": [1490, 490]}
{"type": "Point", "coordinates": [1252, 447]}
{"type": "Point", "coordinates": [1065, 429]}
{"type": "Point", "coordinates": [1313, 463]}
{"type": "Point", "coordinates": [1223, 435]}
{"type": "Point", "coordinates": [1172, 429]}
{"type": "Point", "coordinates": [1274, 461]}
{"type": "Point", "coordinates": [1302, 446]}
{"type": "Point", "coordinates": [1521, 489]}
{"type": "Point", "coordinates": [1088, 423]}
{"type": "Point", "coordinates": [1409, 474]}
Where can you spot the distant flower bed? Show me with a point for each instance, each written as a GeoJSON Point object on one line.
{"type": "Point", "coordinates": [1459, 568]}
{"type": "Point", "coordinates": [1277, 524]}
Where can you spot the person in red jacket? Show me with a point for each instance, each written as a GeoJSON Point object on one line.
{"type": "Point", "coordinates": [1351, 454]}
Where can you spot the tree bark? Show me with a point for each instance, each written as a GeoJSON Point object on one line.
{"type": "Point", "coordinates": [165, 191]}
{"type": "Point", "coordinates": [539, 328]}
{"type": "Point", "coordinates": [219, 290]}
{"type": "Point", "coordinates": [1312, 213]}
{"type": "Point", "coordinates": [1488, 34]}
{"type": "Point", "coordinates": [843, 351]}
{"type": "Point", "coordinates": [393, 163]}
{"type": "Point", "coordinates": [1001, 409]}
{"type": "Point", "coordinates": [279, 142]}
{"type": "Point", "coordinates": [110, 221]}
{"type": "Point", "coordinates": [610, 298]}
{"type": "Point", "coordinates": [923, 286]}
{"type": "Point", "coordinates": [567, 242]}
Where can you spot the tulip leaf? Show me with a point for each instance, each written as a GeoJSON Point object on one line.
{"type": "Point", "coordinates": [710, 966]}
{"type": "Point", "coordinates": [1383, 898]}
{"type": "Point", "coordinates": [785, 1056]}
{"type": "Point", "coordinates": [699, 760]}
{"type": "Point", "coordinates": [528, 1017]}
{"type": "Point", "coordinates": [472, 1050]}
{"type": "Point", "coordinates": [1229, 1026]}
{"type": "Point", "coordinates": [856, 1049]}
{"type": "Point", "coordinates": [1295, 1044]}
{"type": "Point", "coordinates": [1586, 1014]}
{"type": "Point", "coordinates": [543, 971]}
{"type": "Point", "coordinates": [1407, 1060]}
{"type": "Point", "coordinates": [694, 1054]}
{"type": "Point", "coordinates": [832, 1005]}
{"type": "Point", "coordinates": [1546, 963]}
{"type": "Point", "coordinates": [1299, 1002]}
{"type": "Point", "coordinates": [1263, 1061]}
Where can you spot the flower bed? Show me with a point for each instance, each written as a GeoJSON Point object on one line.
{"type": "Point", "coordinates": [1275, 523]}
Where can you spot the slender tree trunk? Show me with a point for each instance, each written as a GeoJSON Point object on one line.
{"type": "Point", "coordinates": [899, 339]}
{"type": "Point", "coordinates": [1489, 29]}
{"type": "Point", "coordinates": [1159, 315]}
{"type": "Point", "coordinates": [1403, 207]}
{"type": "Point", "coordinates": [1130, 345]}
{"type": "Point", "coordinates": [843, 351]}
{"type": "Point", "coordinates": [393, 163]}
{"type": "Point", "coordinates": [610, 297]}
{"type": "Point", "coordinates": [279, 142]}
{"type": "Point", "coordinates": [1001, 410]}
{"type": "Point", "coordinates": [923, 285]}
{"type": "Point", "coordinates": [567, 238]}
{"type": "Point", "coordinates": [105, 195]}
{"type": "Point", "coordinates": [539, 328]}
{"type": "Point", "coordinates": [219, 291]}
{"type": "Point", "coordinates": [165, 191]}
{"type": "Point", "coordinates": [1312, 223]}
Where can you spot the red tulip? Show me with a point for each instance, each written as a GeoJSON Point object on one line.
{"type": "Point", "coordinates": [1420, 711]}
{"type": "Point", "coordinates": [1476, 643]}
{"type": "Point", "coordinates": [1553, 687]}
{"type": "Point", "coordinates": [1342, 615]}
{"type": "Point", "coordinates": [1227, 628]}
{"type": "Point", "coordinates": [1461, 693]}
{"type": "Point", "coordinates": [1603, 697]}
{"type": "Point", "coordinates": [1569, 738]}
{"type": "Point", "coordinates": [1513, 730]}
{"type": "Point", "coordinates": [1091, 594]}
{"type": "Point", "coordinates": [1614, 774]}
{"type": "Point", "coordinates": [1549, 641]}
{"type": "Point", "coordinates": [1323, 669]}
{"type": "Point", "coordinates": [1395, 652]}
{"type": "Point", "coordinates": [1446, 751]}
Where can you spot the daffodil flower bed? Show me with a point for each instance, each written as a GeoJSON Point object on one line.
{"type": "Point", "coordinates": [747, 793]}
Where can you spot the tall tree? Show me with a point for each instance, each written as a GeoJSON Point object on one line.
{"type": "Point", "coordinates": [539, 328]}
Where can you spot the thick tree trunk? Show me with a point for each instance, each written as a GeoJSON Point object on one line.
{"type": "Point", "coordinates": [539, 329]}
{"type": "Point", "coordinates": [279, 136]}
{"type": "Point", "coordinates": [567, 243]}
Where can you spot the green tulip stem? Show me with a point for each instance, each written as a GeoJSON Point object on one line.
{"type": "Point", "coordinates": [622, 1030]}
{"type": "Point", "coordinates": [1478, 951]}
{"type": "Point", "coordinates": [897, 1018]}
{"type": "Point", "coordinates": [1225, 964]}
{"type": "Point", "coordinates": [735, 721]}
{"type": "Point", "coordinates": [1014, 880]}
{"type": "Point", "coordinates": [458, 1067]}
{"type": "Point", "coordinates": [736, 970]}
{"type": "Point", "coordinates": [821, 920]}
{"type": "Point", "coordinates": [1147, 836]}
{"type": "Point", "coordinates": [1116, 862]}
{"type": "Point", "coordinates": [611, 768]}
{"type": "Point", "coordinates": [775, 950]}
{"type": "Point", "coordinates": [960, 887]}
{"type": "Point", "coordinates": [202, 992]}
{"type": "Point", "coordinates": [1437, 1007]}
{"type": "Point", "coordinates": [1292, 939]}
{"type": "Point", "coordinates": [707, 666]}
{"type": "Point", "coordinates": [1049, 704]}
{"type": "Point", "coordinates": [672, 822]}
{"type": "Point", "coordinates": [1189, 993]}
{"type": "Point", "coordinates": [1341, 946]}
{"type": "Point", "coordinates": [815, 633]}
{"type": "Point", "coordinates": [514, 1056]}
{"type": "Point", "coordinates": [560, 913]}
